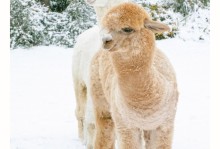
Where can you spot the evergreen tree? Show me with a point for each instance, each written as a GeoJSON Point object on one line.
{"type": "Point", "coordinates": [59, 5]}
{"type": "Point", "coordinates": [26, 23]}
{"type": "Point", "coordinates": [188, 6]}
{"type": "Point", "coordinates": [45, 2]}
{"type": "Point", "coordinates": [32, 24]}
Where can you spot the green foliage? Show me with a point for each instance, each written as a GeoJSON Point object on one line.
{"type": "Point", "coordinates": [161, 13]}
{"type": "Point", "coordinates": [59, 5]}
{"type": "Point", "coordinates": [185, 7]}
{"type": "Point", "coordinates": [32, 24]}
{"type": "Point", "coordinates": [82, 14]}
{"type": "Point", "coordinates": [189, 19]}
{"type": "Point", "coordinates": [23, 31]}
{"type": "Point", "coordinates": [205, 2]}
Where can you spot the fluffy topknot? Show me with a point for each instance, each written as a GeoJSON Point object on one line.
{"type": "Point", "coordinates": [125, 15]}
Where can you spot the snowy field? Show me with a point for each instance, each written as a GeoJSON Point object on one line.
{"type": "Point", "coordinates": [43, 104]}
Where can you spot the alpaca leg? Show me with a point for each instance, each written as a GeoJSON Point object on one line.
{"type": "Point", "coordinates": [161, 138]}
{"type": "Point", "coordinates": [90, 135]}
{"type": "Point", "coordinates": [104, 138]}
{"type": "Point", "coordinates": [149, 138]}
{"type": "Point", "coordinates": [104, 126]}
{"type": "Point", "coordinates": [80, 93]}
{"type": "Point", "coordinates": [129, 138]}
{"type": "Point", "coordinates": [89, 124]}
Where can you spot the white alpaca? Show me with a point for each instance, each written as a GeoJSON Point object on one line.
{"type": "Point", "coordinates": [133, 84]}
{"type": "Point", "coordinates": [87, 44]}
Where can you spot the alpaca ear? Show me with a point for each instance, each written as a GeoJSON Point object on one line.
{"type": "Point", "coordinates": [156, 27]}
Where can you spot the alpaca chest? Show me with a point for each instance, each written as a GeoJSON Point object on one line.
{"type": "Point", "coordinates": [146, 119]}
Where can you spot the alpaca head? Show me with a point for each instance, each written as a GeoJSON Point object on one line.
{"type": "Point", "coordinates": [128, 26]}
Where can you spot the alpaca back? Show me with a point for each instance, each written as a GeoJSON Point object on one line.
{"type": "Point", "coordinates": [88, 43]}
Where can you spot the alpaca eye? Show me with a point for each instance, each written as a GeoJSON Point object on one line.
{"type": "Point", "coordinates": [127, 30]}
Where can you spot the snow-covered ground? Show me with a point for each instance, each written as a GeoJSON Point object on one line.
{"type": "Point", "coordinates": [43, 103]}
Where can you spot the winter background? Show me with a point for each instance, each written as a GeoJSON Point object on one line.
{"type": "Point", "coordinates": [42, 36]}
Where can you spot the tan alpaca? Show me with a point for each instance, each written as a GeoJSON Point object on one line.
{"type": "Point", "coordinates": [87, 44]}
{"type": "Point", "coordinates": [133, 84]}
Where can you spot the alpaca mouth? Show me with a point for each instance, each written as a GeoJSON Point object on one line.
{"type": "Point", "coordinates": [109, 45]}
{"type": "Point", "coordinates": [107, 42]}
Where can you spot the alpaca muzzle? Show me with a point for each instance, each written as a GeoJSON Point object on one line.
{"type": "Point", "coordinates": [107, 41]}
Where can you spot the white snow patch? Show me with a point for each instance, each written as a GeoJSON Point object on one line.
{"type": "Point", "coordinates": [43, 101]}
{"type": "Point", "coordinates": [195, 26]}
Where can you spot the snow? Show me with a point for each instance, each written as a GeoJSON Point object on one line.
{"type": "Point", "coordinates": [195, 26]}
{"type": "Point", "coordinates": [43, 104]}
{"type": "Point", "coordinates": [42, 100]}
{"type": "Point", "coordinates": [191, 62]}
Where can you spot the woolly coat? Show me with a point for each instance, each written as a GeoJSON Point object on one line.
{"type": "Point", "coordinates": [137, 80]}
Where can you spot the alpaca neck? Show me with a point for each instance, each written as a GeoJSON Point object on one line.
{"type": "Point", "coordinates": [134, 75]}
{"type": "Point", "coordinates": [137, 79]}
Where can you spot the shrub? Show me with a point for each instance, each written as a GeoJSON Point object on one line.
{"type": "Point", "coordinates": [26, 23]}
{"type": "Point", "coordinates": [32, 24]}
{"type": "Point", "coordinates": [161, 12]}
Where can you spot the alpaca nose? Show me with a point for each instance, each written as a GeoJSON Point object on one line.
{"type": "Point", "coordinates": [106, 38]}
